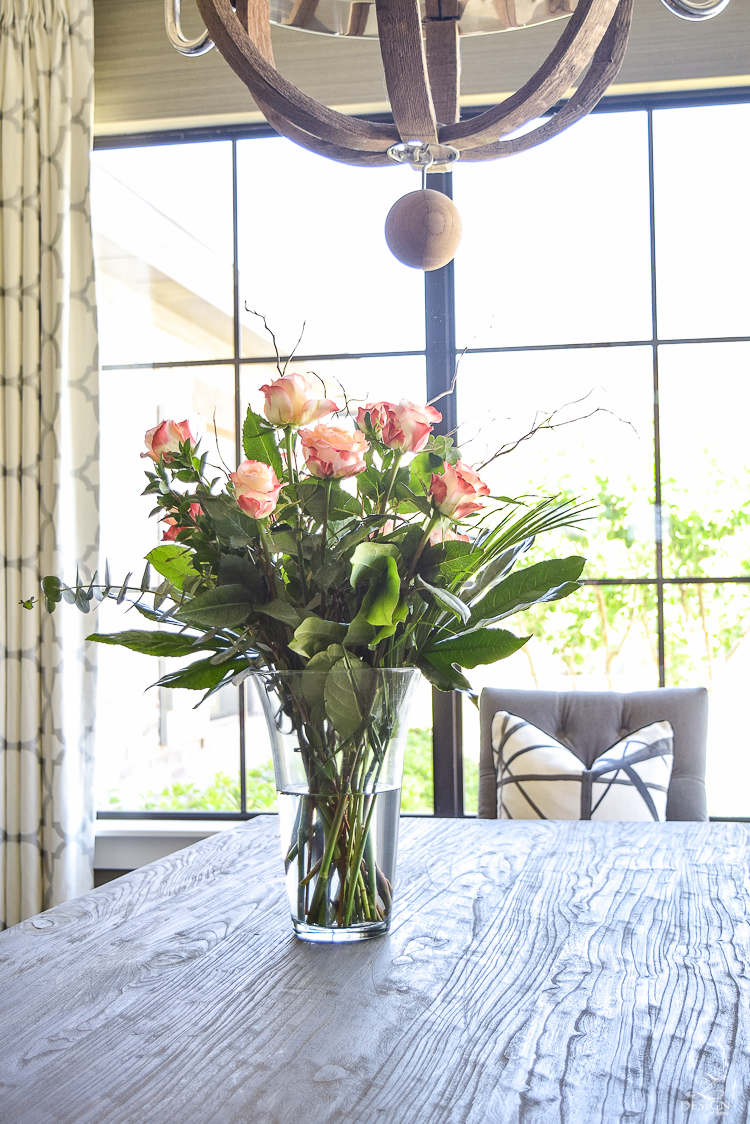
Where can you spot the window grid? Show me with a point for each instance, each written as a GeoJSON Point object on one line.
{"type": "Point", "coordinates": [441, 356]}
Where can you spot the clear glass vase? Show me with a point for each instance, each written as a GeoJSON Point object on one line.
{"type": "Point", "coordinates": [338, 740]}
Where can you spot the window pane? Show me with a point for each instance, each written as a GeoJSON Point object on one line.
{"type": "Point", "coordinates": [162, 221]}
{"type": "Point", "coordinates": [602, 638]}
{"type": "Point", "coordinates": [707, 646]}
{"type": "Point", "coordinates": [606, 459]}
{"type": "Point", "coordinates": [556, 245]}
{"type": "Point", "coordinates": [312, 252]}
{"type": "Point", "coordinates": [152, 749]}
{"type": "Point", "coordinates": [702, 168]}
{"type": "Point", "coordinates": [363, 380]}
{"type": "Point", "coordinates": [705, 404]}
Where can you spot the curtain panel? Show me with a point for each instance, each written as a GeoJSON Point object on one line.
{"type": "Point", "coordinates": [48, 450]}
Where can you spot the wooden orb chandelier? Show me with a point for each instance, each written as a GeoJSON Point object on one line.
{"type": "Point", "coordinates": [419, 43]}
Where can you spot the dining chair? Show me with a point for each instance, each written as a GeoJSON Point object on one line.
{"type": "Point", "coordinates": [589, 722]}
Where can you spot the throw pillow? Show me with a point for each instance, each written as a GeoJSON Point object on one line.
{"type": "Point", "coordinates": [539, 778]}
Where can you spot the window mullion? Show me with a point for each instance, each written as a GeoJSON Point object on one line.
{"type": "Point", "coordinates": [440, 343]}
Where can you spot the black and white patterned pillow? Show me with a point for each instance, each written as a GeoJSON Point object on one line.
{"type": "Point", "coordinates": [538, 778]}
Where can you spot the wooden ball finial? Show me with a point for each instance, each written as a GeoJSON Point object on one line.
{"type": "Point", "coordinates": [423, 229]}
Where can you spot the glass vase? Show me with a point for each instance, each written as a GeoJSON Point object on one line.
{"type": "Point", "coordinates": [338, 740]}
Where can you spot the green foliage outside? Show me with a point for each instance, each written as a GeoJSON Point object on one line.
{"type": "Point", "coordinates": [704, 623]}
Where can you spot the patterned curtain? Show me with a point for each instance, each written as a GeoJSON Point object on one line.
{"type": "Point", "coordinates": [48, 450]}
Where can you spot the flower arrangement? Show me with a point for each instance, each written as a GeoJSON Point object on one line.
{"type": "Point", "coordinates": [336, 549]}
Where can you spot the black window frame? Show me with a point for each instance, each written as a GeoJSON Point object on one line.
{"type": "Point", "coordinates": [440, 355]}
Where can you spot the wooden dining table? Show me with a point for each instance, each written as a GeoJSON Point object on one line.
{"type": "Point", "coordinates": [535, 972]}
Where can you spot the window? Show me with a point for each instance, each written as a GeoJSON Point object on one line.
{"type": "Point", "coordinates": [602, 281]}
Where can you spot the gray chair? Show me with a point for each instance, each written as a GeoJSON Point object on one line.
{"type": "Point", "coordinates": [588, 722]}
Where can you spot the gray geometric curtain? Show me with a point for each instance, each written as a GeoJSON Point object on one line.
{"type": "Point", "coordinates": [49, 434]}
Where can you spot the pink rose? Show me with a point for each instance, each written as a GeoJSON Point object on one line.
{"type": "Point", "coordinates": [331, 453]}
{"type": "Point", "coordinates": [174, 528]}
{"type": "Point", "coordinates": [439, 535]}
{"type": "Point", "coordinates": [456, 492]}
{"type": "Point", "coordinates": [295, 400]}
{"type": "Point", "coordinates": [256, 488]}
{"type": "Point", "coordinates": [401, 425]}
{"type": "Point", "coordinates": [166, 438]}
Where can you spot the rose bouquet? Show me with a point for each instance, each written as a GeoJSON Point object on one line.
{"type": "Point", "coordinates": [337, 562]}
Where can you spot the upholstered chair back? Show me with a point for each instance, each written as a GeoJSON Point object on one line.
{"type": "Point", "coordinates": [589, 722]}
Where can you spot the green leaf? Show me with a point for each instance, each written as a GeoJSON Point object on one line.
{"type": "Point", "coordinates": [448, 562]}
{"type": "Point", "coordinates": [470, 649]}
{"type": "Point", "coordinates": [313, 686]}
{"type": "Point", "coordinates": [236, 570]}
{"type": "Point", "coordinates": [201, 675]}
{"type": "Point", "coordinates": [445, 679]}
{"type": "Point", "coordinates": [348, 691]}
{"type": "Point", "coordinates": [444, 448]}
{"type": "Point", "coordinates": [494, 571]}
{"type": "Point", "coordinates": [315, 634]}
{"type": "Point", "coordinates": [259, 442]}
{"type": "Point", "coordinates": [155, 643]}
{"type": "Point", "coordinates": [369, 483]}
{"type": "Point", "coordinates": [281, 611]}
{"type": "Point", "coordinates": [223, 607]}
{"type": "Point", "coordinates": [421, 470]}
{"type": "Point", "coordinates": [51, 587]}
{"type": "Point", "coordinates": [227, 520]}
{"type": "Point", "coordinates": [366, 561]}
{"type": "Point", "coordinates": [545, 581]}
{"type": "Point", "coordinates": [312, 497]}
{"type": "Point", "coordinates": [283, 542]}
{"type": "Point", "coordinates": [449, 601]}
{"type": "Point", "coordinates": [173, 561]}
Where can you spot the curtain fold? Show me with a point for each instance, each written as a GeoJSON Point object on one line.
{"type": "Point", "coordinates": [48, 449]}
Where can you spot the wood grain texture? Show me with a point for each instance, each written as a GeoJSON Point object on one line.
{"type": "Point", "coordinates": [602, 72]}
{"type": "Point", "coordinates": [405, 65]}
{"type": "Point", "coordinates": [280, 95]}
{"type": "Point", "coordinates": [443, 57]}
{"type": "Point", "coordinates": [560, 70]}
{"type": "Point", "coordinates": [535, 972]}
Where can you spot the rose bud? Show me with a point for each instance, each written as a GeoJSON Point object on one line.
{"type": "Point", "coordinates": [256, 488]}
{"type": "Point", "coordinates": [457, 491]}
{"type": "Point", "coordinates": [295, 400]}
{"type": "Point", "coordinates": [440, 535]}
{"type": "Point", "coordinates": [402, 426]}
{"type": "Point", "coordinates": [174, 528]}
{"type": "Point", "coordinates": [166, 438]}
{"type": "Point", "coordinates": [332, 453]}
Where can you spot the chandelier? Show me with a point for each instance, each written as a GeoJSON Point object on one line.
{"type": "Point", "coordinates": [419, 44]}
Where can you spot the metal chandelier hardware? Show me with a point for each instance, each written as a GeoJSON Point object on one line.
{"type": "Point", "coordinates": [419, 44]}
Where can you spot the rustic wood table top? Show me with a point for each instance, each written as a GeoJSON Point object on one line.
{"type": "Point", "coordinates": [535, 972]}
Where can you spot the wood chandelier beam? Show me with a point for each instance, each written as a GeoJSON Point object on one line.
{"type": "Point", "coordinates": [422, 71]}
